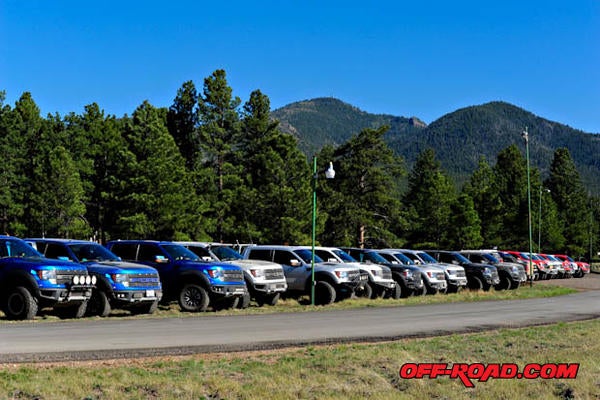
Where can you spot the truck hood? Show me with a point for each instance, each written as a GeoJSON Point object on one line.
{"type": "Point", "coordinates": [254, 264]}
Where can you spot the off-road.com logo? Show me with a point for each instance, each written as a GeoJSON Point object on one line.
{"type": "Point", "coordinates": [467, 373]}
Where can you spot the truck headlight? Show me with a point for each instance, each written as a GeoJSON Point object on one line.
{"type": "Point", "coordinates": [487, 271]}
{"type": "Point", "coordinates": [407, 273]}
{"type": "Point", "coordinates": [123, 279]}
{"type": "Point", "coordinates": [257, 273]}
{"type": "Point", "coordinates": [341, 274]}
{"type": "Point", "coordinates": [47, 275]}
{"type": "Point", "coordinates": [215, 273]}
{"type": "Point", "coordinates": [377, 272]}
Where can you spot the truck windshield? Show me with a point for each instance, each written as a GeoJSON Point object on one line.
{"type": "Point", "coordinates": [17, 248]}
{"type": "Point", "coordinates": [92, 252]}
{"type": "Point", "coordinates": [178, 252]}
{"type": "Point", "coordinates": [306, 256]}
{"type": "Point", "coordinates": [225, 253]}
{"type": "Point", "coordinates": [343, 255]}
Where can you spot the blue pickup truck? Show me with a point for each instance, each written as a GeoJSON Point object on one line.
{"type": "Point", "coordinates": [185, 277]}
{"type": "Point", "coordinates": [120, 284]}
{"type": "Point", "coordinates": [30, 282]}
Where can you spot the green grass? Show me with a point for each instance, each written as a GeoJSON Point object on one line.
{"type": "Point", "coordinates": [352, 371]}
{"type": "Point", "coordinates": [291, 305]}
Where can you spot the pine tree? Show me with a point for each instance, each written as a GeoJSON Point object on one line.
{"type": "Point", "coordinates": [274, 200]}
{"type": "Point", "coordinates": [218, 134]}
{"type": "Point", "coordinates": [482, 189]}
{"type": "Point", "coordinates": [427, 202]}
{"type": "Point", "coordinates": [571, 200]}
{"type": "Point", "coordinates": [362, 200]}
{"type": "Point", "coordinates": [156, 191]}
{"type": "Point", "coordinates": [182, 121]}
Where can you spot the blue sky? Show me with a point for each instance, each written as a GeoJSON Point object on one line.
{"type": "Point", "coordinates": [418, 58]}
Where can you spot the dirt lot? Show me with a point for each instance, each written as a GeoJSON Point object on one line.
{"type": "Point", "coordinates": [588, 282]}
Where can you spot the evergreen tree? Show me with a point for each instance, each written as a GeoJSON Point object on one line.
{"type": "Point", "coordinates": [511, 185]}
{"type": "Point", "coordinates": [481, 188]}
{"type": "Point", "coordinates": [11, 176]}
{"type": "Point", "coordinates": [427, 202]}
{"type": "Point", "coordinates": [155, 193]}
{"type": "Point", "coordinates": [362, 200]}
{"type": "Point", "coordinates": [103, 161]}
{"type": "Point", "coordinates": [571, 200]}
{"type": "Point", "coordinates": [218, 134]}
{"type": "Point", "coordinates": [465, 226]}
{"type": "Point", "coordinates": [274, 202]}
{"type": "Point", "coordinates": [182, 121]}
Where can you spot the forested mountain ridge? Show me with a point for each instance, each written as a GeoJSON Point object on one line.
{"type": "Point", "coordinates": [459, 138]}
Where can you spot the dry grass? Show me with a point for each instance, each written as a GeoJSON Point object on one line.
{"type": "Point", "coordinates": [354, 371]}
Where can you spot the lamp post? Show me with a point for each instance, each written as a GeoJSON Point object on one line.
{"type": "Point", "coordinates": [540, 220]}
{"type": "Point", "coordinates": [329, 174]}
{"type": "Point", "coordinates": [525, 136]}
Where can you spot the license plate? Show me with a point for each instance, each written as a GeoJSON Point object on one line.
{"type": "Point", "coordinates": [150, 293]}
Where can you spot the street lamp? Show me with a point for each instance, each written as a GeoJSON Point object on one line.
{"type": "Point", "coordinates": [525, 136]}
{"type": "Point", "coordinates": [329, 174]}
{"type": "Point", "coordinates": [540, 220]}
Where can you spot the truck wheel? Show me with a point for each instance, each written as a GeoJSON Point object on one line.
{"type": "Point", "coordinates": [475, 283]}
{"type": "Point", "coordinates": [147, 307]}
{"type": "Point", "coordinates": [505, 283]}
{"type": "Point", "coordinates": [268, 299]}
{"type": "Point", "coordinates": [514, 285]}
{"type": "Point", "coordinates": [226, 303]}
{"type": "Point", "coordinates": [429, 289]}
{"type": "Point", "coordinates": [20, 304]}
{"type": "Point", "coordinates": [76, 311]}
{"type": "Point", "coordinates": [366, 291]}
{"type": "Point", "coordinates": [98, 304]}
{"type": "Point", "coordinates": [324, 293]}
{"type": "Point", "coordinates": [244, 301]}
{"type": "Point", "coordinates": [396, 293]}
{"type": "Point", "coordinates": [193, 298]}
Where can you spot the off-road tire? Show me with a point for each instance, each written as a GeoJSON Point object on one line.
{"type": "Point", "coordinates": [98, 304]}
{"type": "Point", "coordinates": [324, 293]}
{"type": "Point", "coordinates": [20, 304]}
{"type": "Point", "coordinates": [193, 298]}
{"type": "Point", "coordinates": [269, 299]}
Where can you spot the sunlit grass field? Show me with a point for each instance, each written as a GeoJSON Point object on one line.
{"type": "Point", "coordinates": [350, 371]}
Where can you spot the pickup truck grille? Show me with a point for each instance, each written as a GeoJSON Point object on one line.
{"type": "Point", "coordinates": [354, 276]}
{"type": "Point", "coordinates": [440, 276]}
{"type": "Point", "coordinates": [65, 276]}
{"type": "Point", "coordinates": [387, 274]}
{"type": "Point", "coordinates": [232, 276]}
{"type": "Point", "coordinates": [143, 280]}
{"type": "Point", "coordinates": [272, 274]}
{"type": "Point", "coordinates": [461, 273]}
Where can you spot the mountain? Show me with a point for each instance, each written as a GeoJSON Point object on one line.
{"type": "Point", "coordinates": [459, 138]}
{"type": "Point", "coordinates": [330, 121]}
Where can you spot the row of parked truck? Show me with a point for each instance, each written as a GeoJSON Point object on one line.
{"type": "Point", "coordinates": [80, 278]}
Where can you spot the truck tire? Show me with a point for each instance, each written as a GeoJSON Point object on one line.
{"type": "Point", "coordinates": [269, 299]}
{"type": "Point", "coordinates": [73, 311]}
{"type": "Point", "coordinates": [193, 298]}
{"type": "Point", "coordinates": [244, 301]}
{"type": "Point", "coordinates": [395, 293]}
{"type": "Point", "coordinates": [429, 290]}
{"type": "Point", "coordinates": [147, 307]}
{"type": "Point", "coordinates": [366, 291]}
{"type": "Point", "coordinates": [324, 293]}
{"type": "Point", "coordinates": [99, 304]}
{"type": "Point", "coordinates": [475, 283]}
{"type": "Point", "coordinates": [20, 304]}
{"type": "Point", "coordinates": [505, 283]}
{"type": "Point", "coordinates": [226, 303]}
